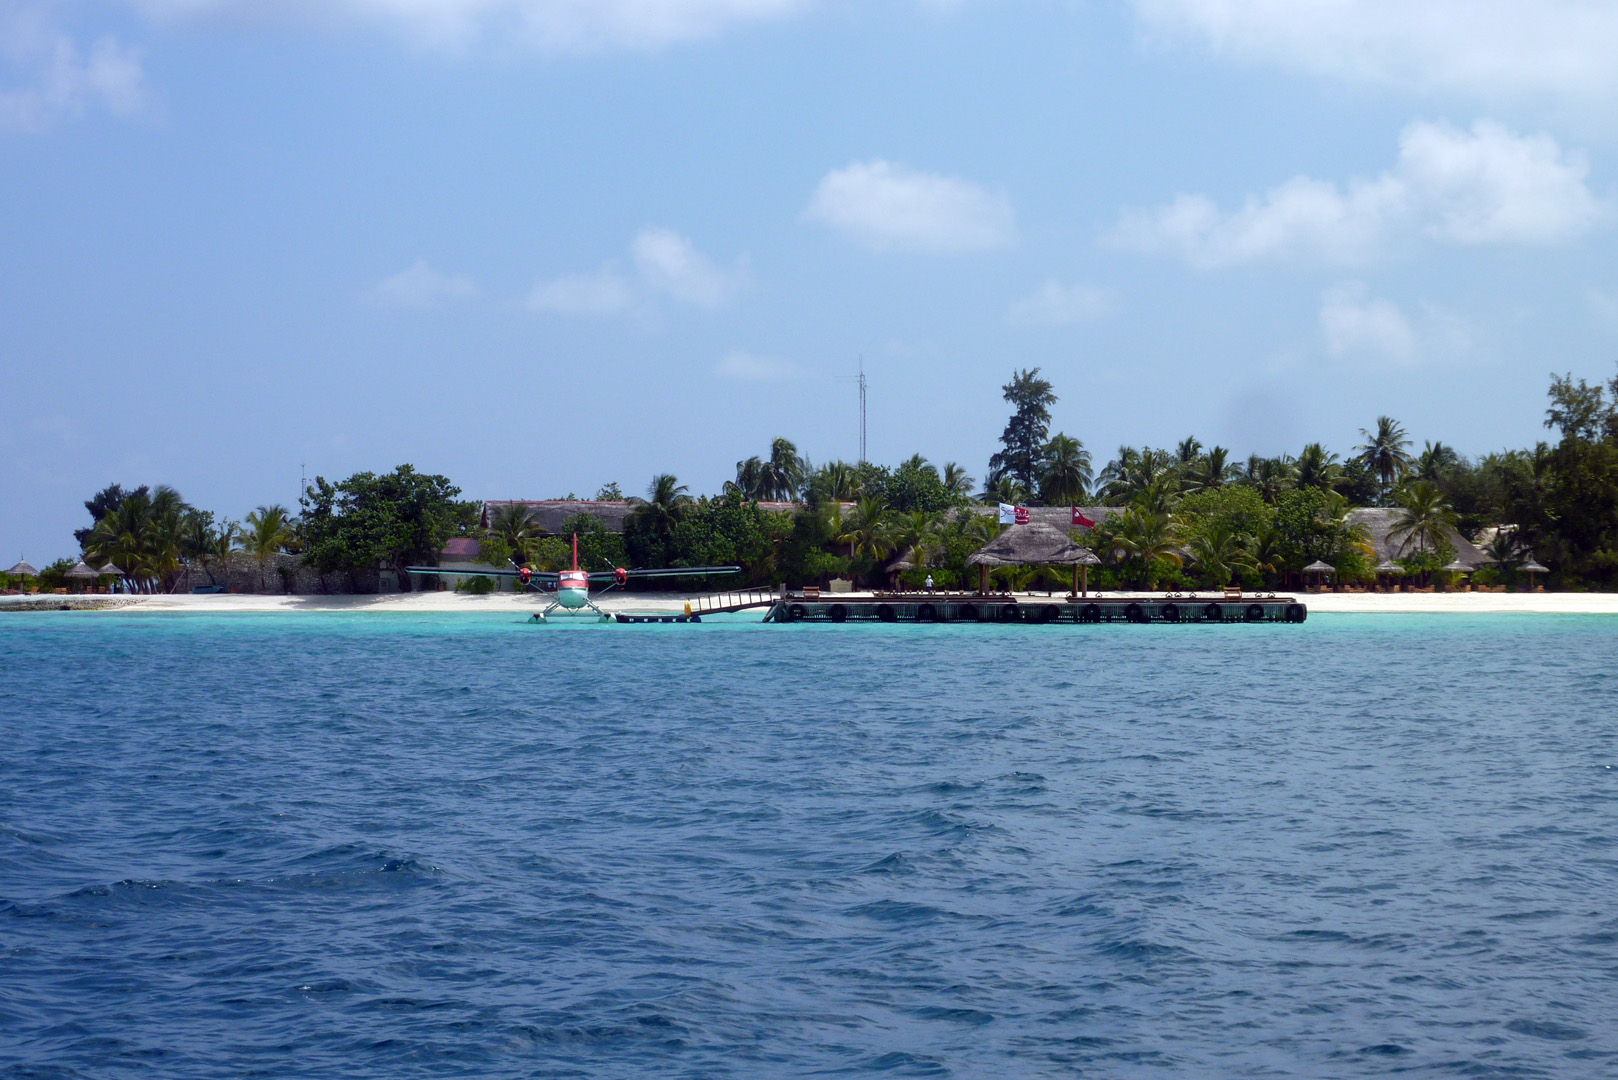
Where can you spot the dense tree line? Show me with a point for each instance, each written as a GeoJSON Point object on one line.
{"type": "Point", "coordinates": [1190, 514]}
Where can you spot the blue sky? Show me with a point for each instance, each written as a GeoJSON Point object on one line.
{"type": "Point", "coordinates": [538, 245]}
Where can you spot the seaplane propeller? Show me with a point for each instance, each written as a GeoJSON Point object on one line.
{"type": "Point", "coordinates": [572, 587]}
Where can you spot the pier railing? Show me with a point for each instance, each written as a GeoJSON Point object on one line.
{"type": "Point", "coordinates": [733, 601]}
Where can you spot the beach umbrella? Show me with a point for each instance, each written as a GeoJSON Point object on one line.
{"type": "Point", "coordinates": [1034, 544]}
{"type": "Point", "coordinates": [1388, 566]}
{"type": "Point", "coordinates": [1320, 568]}
{"type": "Point", "coordinates": [1533, 568]}
{"type": "Point", "coordinates": [22, 569]}
{"type": "Point", "coordinates": [1081, 570]}
{"type": "Point", "coordinates": [83, 571]}
{"type": "Point", "coordinates": [1457, 567]}
{"type": "Point", "coordinates": [110, 571]}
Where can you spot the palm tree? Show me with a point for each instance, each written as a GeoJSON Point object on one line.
{"type": "Point", "coordinates": [783, 474]}
{"type": "Point", "coordinates": [1319, 467]}
{"type": "Point", "coordinates": [1504, 551]}
{"type": "Point", "coordinates": [836, 481]}
{"type": "Point", "coordinates": [1145, 535]}
{"type": "Point", "coordinates": [1272, 477]}
{"type": "Point", "coordinates": [1385, 451]}
{"type": "Point", "coordinates": [1187, 452]}
{"type": "Point", "coordinates": [266, 530]}
{"type": "Point", "coordinates": [918, 532]}
{"type": "Point", "coordinates": [1003, 489]}
{"type": "Point", "coordinates": [1132, 472]}
{"type": "Point", "coordinates": [868, 531]}
{"type": "Point", "coordinates": [125, 535]}
{"type": "Point", "coordinates": [665, 503]}
{"type": "Point", "coordinates": [749, 479]}
{"type": "Point", "coordinates": [1067, 475]}
{"type": "Point", "coordinates": [1222, 551]}
{"type": "Point", "coordinates": [1424, 517]}
{"type": "Point", "coordinates": [1210, 471]}
{"type": "Point", "coordinates": [515, 524]}
{"type": "Point", "coordinates": [224, 542]}
{"type": "Point", "coordinates": [956, 482]}
{"type": "Point", "coordinates": [1434, 461]}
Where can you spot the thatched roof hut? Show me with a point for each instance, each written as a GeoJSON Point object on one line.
{"type": "Point", "coordinates": [1379, 523]}
{"type": "Point", "coordinates": [1034, 544]}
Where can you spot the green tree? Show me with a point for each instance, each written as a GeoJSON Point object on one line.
{"type": "Point", "coordinates": [1031, 398]}
{"type": "Point", "coordinates": [371, 520]}
{"type": "Point", "coordinates": [1066, 473]}
{"type": "Point", "coordinates": [1423, 518]}
{"type": "Point", "coordinates": [957, 482]}
{"type": "Point", "coordinates": [1146, 538]}
{"type": "Point", "coordinates": [1385, 450]}
{"type": "Point", "coordinates": [1318, 467]}
{"type": "Point", "coordinates": [1221, 551]}
{"type": "Point", "coordinates": [516, 531]}
{"type": "Point", "coordinates": [266, 531]}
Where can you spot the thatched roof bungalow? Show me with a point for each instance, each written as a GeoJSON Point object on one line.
{"type": "Point", "coordinates": [1379, 523]}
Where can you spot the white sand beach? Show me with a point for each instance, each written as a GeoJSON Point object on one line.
{"type": "Point", "coordinates": [443, 602]}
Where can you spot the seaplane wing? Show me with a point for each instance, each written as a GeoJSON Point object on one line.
{"type": "Point", "coordinates": [547, 576]}
{"type": "Point", "coordinates": [673, 571]}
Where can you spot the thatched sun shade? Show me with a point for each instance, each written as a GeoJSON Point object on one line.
{"type": "Point", "coordinates": [1034, 544]}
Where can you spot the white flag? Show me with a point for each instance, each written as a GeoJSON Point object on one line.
{"type": "Point", "coordinates": [1008, 514]}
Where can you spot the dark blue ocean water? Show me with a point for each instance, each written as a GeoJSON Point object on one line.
{"type": "Point", "coordinates": [418, 846]}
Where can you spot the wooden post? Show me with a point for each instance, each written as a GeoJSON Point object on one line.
{"type": "Point", "coordinates": [1075, 578]}
{"type": "Point", "coordinates": [1086, 573]}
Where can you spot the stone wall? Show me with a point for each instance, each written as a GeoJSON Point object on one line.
{"type": "Point", "coordinates": [283, 574]}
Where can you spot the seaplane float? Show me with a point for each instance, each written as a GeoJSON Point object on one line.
{"type": "Point", "coordinates": [570, 589]}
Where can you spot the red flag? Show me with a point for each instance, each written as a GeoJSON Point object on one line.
{"type": "Point", "coordinates": [1022, 515]}
{"type": "Point", "coordinates": [1081, 521]}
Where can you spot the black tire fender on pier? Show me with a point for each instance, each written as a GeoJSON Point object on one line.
{"type": "Point", "coordinates": [1296, 613]}
{"type": "Point", "coordinates": [794, 613]}
{"type": "Point", "coordinates": [1048, 613]}
{"type": "Point", "coordinates": [1170, 612]}
{"type": "Point", "coordinates": [1008, 612]}
{"type": "Point", "coordinates": [1255, 612]}
{"type": "Point", "coordinates": [1135, 613]}
{"type": "Point", "coordinates": [1090, 613]}
{"type": "Point", "coordinates": [967, 613]}
{"type": "Point", "coordinates": [926, 613]}
{"type": "Point", "coordinates": [837, 613]}
{"type": "Point", "coordinates": [1213, 613]}
{"type": "Point", "coordinates": [885, 613]}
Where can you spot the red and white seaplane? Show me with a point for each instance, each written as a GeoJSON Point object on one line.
{"type": "Point", "coordinates": [572, 587]}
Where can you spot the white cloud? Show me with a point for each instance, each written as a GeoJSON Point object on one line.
{"type": "Point", "coordinates": [1056, 304]}
{"type": "Point", "coordinates": [551, 25]}
{"type": "Point", "coordinates": [1487, 48]}
{"type": "Point", "coordinates": [887, 207]}
{"type": "Point", "coordinates": [1355, 323]}
{"type": "Point", "coordinates": [583, 294]}
{"type": "Point", "coordinates": [50, 78]}
{"type": "Point", "coordinates": [741, 365]}
{"type": "Point", "coordinates": [1358, 326]}
{"type": "Point", "coordinates": [1487, 185]}
{"type": "Point", "coordinates": [666, 264]}
{"type": "Point", "coordinates": [419, 285]}
{"type": "Point", "coordinates": [670, 264]}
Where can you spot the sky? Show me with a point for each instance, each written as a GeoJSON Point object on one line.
{"type": "Point", "coordinates": [543, 245]}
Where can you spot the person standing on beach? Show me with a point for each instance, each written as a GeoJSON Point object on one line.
{"type": "Point", "coordinates": [929, 583]}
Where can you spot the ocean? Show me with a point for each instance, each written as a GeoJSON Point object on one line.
{"type": "Point", "coordinates": [349, 845]}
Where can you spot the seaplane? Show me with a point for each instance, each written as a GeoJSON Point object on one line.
{"type": "Point", "coordinates": [571, 588]}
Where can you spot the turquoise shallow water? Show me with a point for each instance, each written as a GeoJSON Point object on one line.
{"type": "Point", "coordinates": [409, 845]}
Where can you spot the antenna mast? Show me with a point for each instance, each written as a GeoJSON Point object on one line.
{"type": "Point", "coordinates": [862, 410]}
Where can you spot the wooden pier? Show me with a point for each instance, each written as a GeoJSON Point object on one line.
{"type": "Point", "coordinates": [972, 608]}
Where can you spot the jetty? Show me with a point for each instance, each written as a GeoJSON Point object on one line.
{"type": "Point", "coordinates": [1071, 610]}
